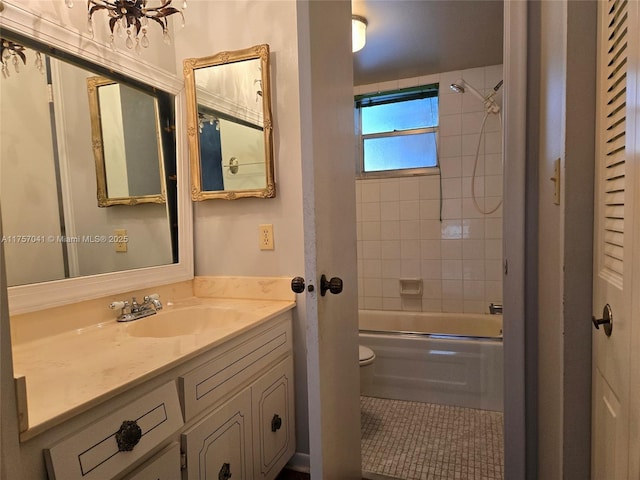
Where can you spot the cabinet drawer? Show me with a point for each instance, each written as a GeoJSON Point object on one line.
{"type": "Point", "coordinates": [219, 447]}
{"type": "Point", "coordinates": [210, 383]}
{"type": "Point", "coordinates": [273, 415]}
{"type": "Point", "coordinates": [164, 466]}
{"type": "Point", "coordinates": [94, 454]}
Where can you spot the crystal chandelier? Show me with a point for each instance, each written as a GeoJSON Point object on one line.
{"type": "Point", "coordinates": [132, 17]}
{"type": "Point", "coordinates": [13, 52]}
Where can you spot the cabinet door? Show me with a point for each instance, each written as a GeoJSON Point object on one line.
{"type": "Point", "coordinates": [273, 417]}
{"type": "Point", "coordinates": [164, 466]}
{"type": "Point", "coordinates": [219, 446]}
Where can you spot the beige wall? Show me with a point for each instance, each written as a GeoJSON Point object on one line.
{"type": "Point", "coordinates": [567, 105]}
{"type": "Point", "coordinates": [226, 232]}
{"type": "Point", "coordinates": [551, 231]}
{"type": "Point", "coordinates": [219, 224]}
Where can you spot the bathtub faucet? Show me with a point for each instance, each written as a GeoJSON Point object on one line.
{"type": "Point", "coordinates": [495, 308]}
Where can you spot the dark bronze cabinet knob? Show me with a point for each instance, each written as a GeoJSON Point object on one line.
{"type": "Point", "coordinates": [334, 285]}
{"type": "Point", "coordinates": [276, 423]}
{"type": "Point", "coordinates": [297, 284]}
{"type": "Point", "coordinates": [128, 436]}
{"type": "Point", "coordinates": [225, 472]}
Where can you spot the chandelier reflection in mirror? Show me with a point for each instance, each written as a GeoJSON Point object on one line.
{"type": "Point", "coordinates": [132, 17]}
{"type": "Point", "coordinates": [207, 118]}
{"type": "Point", "coordinates": [14, 52]}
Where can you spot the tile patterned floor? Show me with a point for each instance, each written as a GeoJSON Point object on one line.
{"type": "Point", "coordinates": [424, 441]}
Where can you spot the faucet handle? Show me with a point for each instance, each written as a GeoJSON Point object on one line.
{"type": "Point", "coordinates": [121, 304]}
{"type": "Point", "coordinates": [154, 299]}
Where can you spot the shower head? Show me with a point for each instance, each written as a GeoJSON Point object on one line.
{"type": "Point", "coordinates": [461, 87]}
{"type": "Point", "coordinates": [457, 88]}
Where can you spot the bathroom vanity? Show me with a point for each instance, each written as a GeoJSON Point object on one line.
{"type": "Point", "coordinates": [203, 389]}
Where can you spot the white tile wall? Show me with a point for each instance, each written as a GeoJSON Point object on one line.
{"type": "Point", "coordinates": [400, 229]}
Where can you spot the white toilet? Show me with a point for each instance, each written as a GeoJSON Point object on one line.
{"type": "Point", "coordinates": [367, 356]}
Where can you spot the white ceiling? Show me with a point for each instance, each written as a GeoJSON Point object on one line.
{"type": "Point", "coordinates": [410, 38]}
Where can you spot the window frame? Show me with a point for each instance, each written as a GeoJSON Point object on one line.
{"type": "Point", "coordinates": [395, 96]}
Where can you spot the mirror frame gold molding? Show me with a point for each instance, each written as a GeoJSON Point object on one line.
{"type": "Point", "coordinates": [93, 83]}
{"type": "Point", "coordinates": [190, 65]}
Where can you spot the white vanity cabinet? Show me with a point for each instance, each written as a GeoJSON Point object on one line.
{"type": "Point", "coordinates": [231, 408]}
{"type": "Point", "coordinates": [252, 434]}
{"type": "Point", "coordinates": [219, 446]}
{"type": "Point", "coordinates": [163, 466]}
{"type": "Point", "coordinates": [272, 404]}
{"type": "Point", "coordinates": [105, 448]}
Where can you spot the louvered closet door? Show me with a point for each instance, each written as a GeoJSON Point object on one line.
{"type": "Point", "coordinates": [615, 221]}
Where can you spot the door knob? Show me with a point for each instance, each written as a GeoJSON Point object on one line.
{"type": "Point", "coordinates": [606, 321]}
{"type": "Point", "coordinates": [334, 285]}
{"type": "Point", "coordinates": [297, 285]}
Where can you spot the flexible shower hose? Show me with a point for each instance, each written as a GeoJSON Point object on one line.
{"type": "Point", "coordinates": [475, 167]}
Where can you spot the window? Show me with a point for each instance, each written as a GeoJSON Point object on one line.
{"type": "Point", "coordinates": [398, 131]}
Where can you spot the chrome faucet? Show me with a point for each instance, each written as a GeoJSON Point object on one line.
{"type": "Point", "coordinates": [134, 310]}
{"type": "Point", "coordinates": [495, 308]}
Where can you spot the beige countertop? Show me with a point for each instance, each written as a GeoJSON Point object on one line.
{"type": "Point", "coordinates": [72, 371]}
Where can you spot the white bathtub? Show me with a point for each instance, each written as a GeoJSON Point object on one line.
{"type": "Point", "coordinates": [445, 358]}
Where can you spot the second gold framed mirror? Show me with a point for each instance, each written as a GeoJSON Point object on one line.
{"type": "Point", "coordinates": [127, 147]}
{"type": "Point", "coordinates": [229, 124]}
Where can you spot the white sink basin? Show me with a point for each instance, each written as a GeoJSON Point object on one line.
{"type": "Point", "coordinates": [178, 322]}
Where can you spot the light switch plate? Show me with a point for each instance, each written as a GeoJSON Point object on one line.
{"type": "Point", "coordinates": [120, 240]}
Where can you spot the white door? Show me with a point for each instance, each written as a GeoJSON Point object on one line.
{"type": "Point", "coordinates": [615, 447]}
{"type": "Point", "coordinates": [328, 171]}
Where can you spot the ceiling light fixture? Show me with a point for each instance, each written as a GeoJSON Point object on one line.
{"type": "Point", "coordinates": [133, 17]}
{"type": "Point", "coordinates": [358, 32]}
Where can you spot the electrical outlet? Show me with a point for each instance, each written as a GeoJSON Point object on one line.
{"type": "Point", "coordinates": [120, 240]}
{"type": "Point", "coordinates": [266, 237]}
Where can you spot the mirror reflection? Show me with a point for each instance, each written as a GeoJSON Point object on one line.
{"type": "Point", "coordinates": [52, 226]}
{"type": "Point", "coordinates": [230, 128]}
{"type": "Point", "coordinates": [126, 144]}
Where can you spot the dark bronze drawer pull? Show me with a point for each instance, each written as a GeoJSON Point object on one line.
{"type": "Point", "coordinates": [276, 423]}
{"type": "Point", "coordinates": [225, 472]}
{"type": "Point", "coordinates": [128, 436]}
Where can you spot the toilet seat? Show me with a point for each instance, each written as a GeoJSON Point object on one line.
{"type": "Point", "coordinates": [366, 356]}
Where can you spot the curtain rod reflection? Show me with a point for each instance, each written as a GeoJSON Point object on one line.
{"type": "Point", "coordinates": [234, 165]}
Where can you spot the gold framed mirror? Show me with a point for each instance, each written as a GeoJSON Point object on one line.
{"type": "Point", "coordinates": [229, 125]}
{"type": "Point", "coordinates": [127, 148]}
